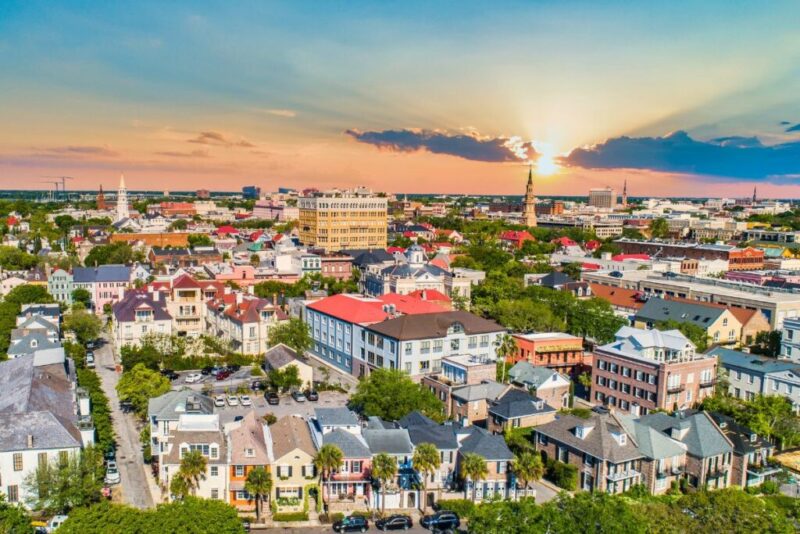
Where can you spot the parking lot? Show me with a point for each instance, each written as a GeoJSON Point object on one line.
{"type": "Point", "coordinates": [287, 406]}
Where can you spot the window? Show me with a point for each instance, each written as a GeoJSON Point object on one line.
{"type": "Point", "coordinates": [214, 470]}
{"type": "Point", "coordinates": [249, 452]}
{"type": "Point", "coordinates": [502, 467]}
{"type": "Point", "coordinates": [408, 349]}
{"type": "Point", "coordinates": [425, 347]}
{"type": "Point", "coordinates": [17, 461]}
{"type": "Point", "coordinates": [438, 345]}
{"type": "Point", "coordinates": [13, 493]}
{"type": "Point", "coordinates": [408, 367]}
{"type": "Point", "coordinates": [42, 459]}
{"type": "Point", "coordinates": [424, 366]}
{"type": "Point", "coordinates": [238, 470]}
{"type": "Point", "coordinates": [356, 466]}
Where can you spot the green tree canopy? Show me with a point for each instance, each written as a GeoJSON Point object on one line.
{"type": "Point", "coordinates": [696, 334]}
{"type": "Point", "coordinates": [391, 395]}
{"type": "Point", "coordinates": [63, 484]}
{"type": "Point", "coordinates": [85, 324]}
{"type": "Point", "coordinates": [14, 259]}
{"type": "Point", "coordinates": [139, 384]}
{"type": "Point", "coordinates": [82, 295]}
{"type": "Point", "coordinates": [293, 333]}
{"type": "Point", "coordinates": [113, 253]}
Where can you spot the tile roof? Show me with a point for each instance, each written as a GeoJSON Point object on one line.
{"type": "Point", "coordinates": [618, 296]}
{"type": "Point", "coordinates": [289, 433]}
{"type": "Point", "coordinates": [703, 438]}
{"type": "Point", "coordinates": [434, 325]}
{"type": "Point", "coordinates": [185, 281]}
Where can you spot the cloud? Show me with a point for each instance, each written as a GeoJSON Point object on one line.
{"type": "Point", "coordinates": [76, 150]}
{"type": "Point", "coordinates": [219, 139]}
{"type": "Point", "coordinates": [795, 128]}
{"type": "Point", "coordinates": [469, 146]}
{"type": "Point", "coordinates": [192, 154]}
{"type": "Point", "coordinates": [288, 113]}
{"type": "Point", "coordinates": [784, 123]}
{"type": "Point", "coordinates": [731, 157]}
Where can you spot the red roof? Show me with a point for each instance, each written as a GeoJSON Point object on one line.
{"type": "Point", "coordinates": [185, 282]}
{"type": "Point", "coordinates": [392, 250]}
{"type": "Point", "coordinates": [76, 239]}
{"type": "Point", "coordinates": [255, 235]}
{"type": "Point", "coordinates": [243, 215]}
{"type": "Point", "coordinates": [440, 262]}
{"type": "Point", "coordinates": [11, 220]}
{"type": "Point", "coordinates": [623, 257]}
{"type": "Point", "coordinates": [227, 229]}
{"type": "Point", "coordinates": [564, 242]}
{"type": "Point", "coordinates": [359, 310]}
{"type": "Point", "coordinates": [429, 295]}
{"type": "Point", "coordinates": [592, 245]}
{"type": "Point", "coordinates": [590, 267]}
{"type": "Point", "coordinates": [409, 305]}
{"type": "Point", "coordinates": [277, 237]}
{"type": "Point", "coordinates": [409, 233]}
{"type": "Point", "coordinates": [446, 244]}
{"type": "Point", "coordinates": [516, 235]}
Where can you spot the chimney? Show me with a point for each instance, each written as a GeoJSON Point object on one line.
{"type": "Point", "coordinates": [238, 297]}
{"type": "Point", "coordinates": [424, 294]}
{"type": "Point", "coordinates": [30, 441]}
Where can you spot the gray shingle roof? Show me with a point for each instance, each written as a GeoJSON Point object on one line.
{"type": "Point", "coordinates": [703, 439]}
{"type": "Point", "coordinates": [657, 309]}
{"type": "Point", "coordinates": [415, 418]}
{"type": "Point", "coordinates": [335, 417]}
{"type": "Point", "coordinates": [443, 436]}
{"type": "Point", "coordinates": [101, 273]}
{"type": "Point", "coordinates": [434, 325]}
{"type": "Point", "coordinates": [391, 441]}
{"type": "Point", "coordinates": [280, 355]}
{"type": "Point", "coordinates": [351, 446]}
{"type": "Point", "coordinates": [598, 442]}
{"type": "Point", "coordinates": [170, 406]}
{"type": "Point", "coordinates": [652, 443]}
{"type": "Point", "coordinates": [529, 374]}
{"type": "Point", "coordinates": [751, 362]}
{"type": "Point", "coordinates": [484, 391]}
{"type": "Point", "coordinates": [125, 309]}
{"type": "Point", "coordinates": [32, 342]}
{"type": "Point", "coordinates": [489, 446]}
{"type": "Point", "coordinates": [47, 430]}
{"type": "Point", "coordinates": [516, 403]}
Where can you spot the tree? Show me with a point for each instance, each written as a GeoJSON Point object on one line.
{"type": "Point", "coordinates": [767, 343]}
{"type": "Point", "coordinates": [390, 394]}
{"type": "Point", "coordinates": [140, 384]}
{"type": "Point", "coordinates": [505, 346]}
{"type": "Point", "coordinates": [473, 469]}
{"type": "Point", "coordinates": [285, 379]}
{"type": "Point", "coordinates": [659, 228]}
{"type": "Point", "coordinates": [293, 333]}
{"type": "Point", "coordinates": [259, 485]}
{"type": "Point", "coordinates": [82, 295]}
{"type": "Point", "coordinates": [200, 240]}
{"type": "Point", "coordinates": [114, 253]}
{"type": "Point", "coordinates": [62, 484]}
{"type": "Point", "coordinates": [329, 458]}
{"type": "Point", "coordinates": [426, 461]}
{"type": "Point", "coordinates": [86, 325]}
{"type": "Point", "coordinates": [384, 469]}
{"type": "Point", "coordinates": [193, 469]}
{"type": "Point", "coordinates": [526, 315]}
{"type": "Point", "coordinates": [733, 510]}
{"type": "Point", "coordinates": [573, 270]}
{"type": "Point", "coordinates": [14, 519]}
{"type": "Point", "coordinates": [14, 259]}
{"type": "Point", "coordinates": [180, 224]}
{"type": "Point", "coordinates": [528, 467]}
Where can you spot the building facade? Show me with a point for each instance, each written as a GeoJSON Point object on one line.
{"type": "Point", "coordinates": [342, 220]}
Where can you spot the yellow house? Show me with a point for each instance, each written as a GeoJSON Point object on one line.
{"type": "Point", "coordinates": [721, 326]}
{"type": "Point", "coordinates": [292, 461]}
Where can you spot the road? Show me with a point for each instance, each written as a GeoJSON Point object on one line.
{"type": "Point", "coordinates": [416, 529]}
{"type": "Point", "coordinates": [135, 489]}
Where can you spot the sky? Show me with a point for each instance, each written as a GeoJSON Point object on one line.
{"type": "Point", "coordinates": [684, 98]}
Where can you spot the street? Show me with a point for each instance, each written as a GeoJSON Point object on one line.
{"type": "Point", "coordinates": [134, 485]}
{"type": "Point", "coordinates": [416, 529]}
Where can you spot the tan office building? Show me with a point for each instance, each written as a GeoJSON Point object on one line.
{"type": "Point", "coordinates": [343, 220]}
{"type": "Point", "coordinates": [603, 198]}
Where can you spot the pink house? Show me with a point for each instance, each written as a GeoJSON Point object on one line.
{"type": "Point", "coordinates": [106, 283]}
{"type": "Point", "coordinates": [243, 275]}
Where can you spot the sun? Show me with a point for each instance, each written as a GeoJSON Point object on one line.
{"type": "Point", "coordinates": [546, 163]}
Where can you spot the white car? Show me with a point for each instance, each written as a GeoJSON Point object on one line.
{"type": "Point", "coordinates": [232, 400]}
{"type": "Point", "coordinates": [54, 523]}
{"type": "Point", "coordinates": [245, 400]}
{"type": "Point", "coordinates": [193, 378]}
{"type": "Point", "coordinates": [112, 473]}
{"type": "Point", "coordinates": [219, 401]}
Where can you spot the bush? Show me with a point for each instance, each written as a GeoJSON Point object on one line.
{"type": "Point", "coordinates": [269, 418]}
{"type": "Point", "coordinates": [331, 517]}
{"type": "Point", "coordinates": [565, 476]}
{"type": "Point", "coordinates": [770, 487]}
{"type": "Point", "coordinates": [463, 507]}
{"type": "Point", "coordinates": [101, 409]}
{"type": "Point", "coordinates": [292, 516]}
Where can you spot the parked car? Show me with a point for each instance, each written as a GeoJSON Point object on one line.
{"type": "Point", "coordinates": [257, 385]}
{"type": "Point", "coordinates": [206, 370]}
{"type": "Point", "coordinates": [219, 401]}
{"type": "Point", "coordinates": [312, 395]}
{"type": "Point", "coordinates": [90, 345]}
{"type": "Point", "coordinates": [238, 418]}
{"type": "Point", "coordinates": [55, 522]}
{"type": "Point", "coordinates": [193, 378]}
{"type": "Point", "coordinates": [353, 523]}
{"type": "Point", "coordinates": [441, 520]}
{"type": "Point", "coordinates": [233, 368]}
{"type": "Point", "coordinates": [222, 375]}
{"type": "Point", "coordinates": [298, 396]}
{"type": "Point", "coordinates": [112, 473]}
{"type": "Point", "coordinates": [245, 400]}
{"type": "Point", "coordinates": [216, 370]}
{"type": "Point", "coordinates": [233, 400]}
{"type": "Point", "coordinates": [110, 454]}
{"type": "Point", "coordinates": [90, 360]}
{"type": "Point", "coordinates": [272, 398]}
{"type": "Point", "coordinates": [616, 274]}
{"type": "Point", "coordinates": [126, 406]}
{"type": "Point", "coordinates": [394, 522]}
{"type": "Point", "coordinates": [170, 374]}
{"type": "Point", "coordinates": [246, 525]}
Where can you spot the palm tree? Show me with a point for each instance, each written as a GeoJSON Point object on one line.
{"type": "Point", "coordinates": [328, 459]}
{"type": "Point", "coordinates": [528, 467]}
{"type": "Point", "coordinates": [426, 461]}
{"type": "Point", "coordinates": [178, 486]}
{"type": "Point", "coordinates": [473, 467]}
{"type": "Point", "coordinates": [505, 346]}
{"type": "Point", "coordinates": [193, 469]}
{"type": "Point", "coordinates": [259, 485]}
{"type": "Point", "coordinates": [384, 468]}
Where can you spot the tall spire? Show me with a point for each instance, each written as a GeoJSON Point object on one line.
{"type": "Point", "coordinates": [529, 205]}
{"type": "Point", "coordinates": [754, 194]}
{"type": "Point", "coordinates": [121, 180]}
{"type": "Point", "coordinates": [122, 200]}
{"type": "Point", "coordinates": [530, 174]}
{"type": "Point", "coordinates": [625, 193]}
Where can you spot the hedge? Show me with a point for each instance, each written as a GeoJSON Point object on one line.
{"type": "Point", "coordinates": [565, 476]}
{"type": "Point", "coordinates": [290, 516]}
{"type": "Point", "coordinates": [101, 409]}
{"type": "Point", "coordinates": [463, 507]}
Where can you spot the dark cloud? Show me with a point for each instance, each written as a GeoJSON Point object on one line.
{"type": "Point", "coordinates": [795, 128]}
{"type": "Point", "coordinates": [784, 123]}
{"type": "Point", "coordinates": [731, 157]}
{"type": "Point", "coordinates": [472, 147]}
{"type": "Point", "coordinates": [219, 139]}
{"type": "Point", "coordinates": [192, 154]}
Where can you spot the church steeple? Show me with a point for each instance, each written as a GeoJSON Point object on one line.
{"type": "Point", "coordinates": [625, 193]}
{"type": "Point", "coordinates": [122, 199]}
{"type": "Point", "coordinates": [529, 206]}
{"type": "Point", "coordinates": [754, 194]}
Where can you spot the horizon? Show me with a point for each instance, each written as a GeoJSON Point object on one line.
{"type": "Point", "coordinates": [217, 96]}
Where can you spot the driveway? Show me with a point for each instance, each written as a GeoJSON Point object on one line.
{"type": "Point", "coordinates": [134, 485]}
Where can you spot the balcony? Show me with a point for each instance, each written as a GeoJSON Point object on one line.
{"type": "Point", "coordinates": [622, 475]}
{"type": "Point", "coordinates": [664, 473]}
{"type": "Point", "coordinates": [718, 471]}
{"type": "Point", "coordinates": [708, 383]}
{"type": "Point", "coordinates": [676, 389]}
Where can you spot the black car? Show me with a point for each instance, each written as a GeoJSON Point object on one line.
{"type": "Point", "coordinates": [126, 406]}
{"type": "Point", "coordinates": [616, 274]}
{"type": "Point", "coordinates": [312, 395]}
{"type": "Point", "coordinates": [169, 373]}
{"type": "Point", "coordinates": [234, 368]}
{"type": "Point", "coordinates": [272, 398]}
{"type": "Point", "coordinates": [257, 385]}
{"type": "Point", "coordinates": [110, 454]}
{"type": "Point", "coordinates": [441, 520]}
{"type": "Point", "coordinates": [354, 523]}
{"type": "Point", "coordinates": [394, 522]}
{"type": "Point", "coordinates": [206, 370]}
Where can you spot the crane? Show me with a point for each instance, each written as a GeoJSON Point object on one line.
{"type": "Point", "coordinates": [55, 183]}
{"type": "Point", "coordinates": [63, 183]}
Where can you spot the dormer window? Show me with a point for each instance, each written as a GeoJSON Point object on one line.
{"type": "Point", "coordinates": [623, 439]}
{"type": "Point", "coordinates": [582, 431]}
{"type": "Point", "coordinates": [250, 453]}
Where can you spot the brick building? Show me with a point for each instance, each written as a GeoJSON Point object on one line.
{"type": "Point", "coordinates": [555, 350]}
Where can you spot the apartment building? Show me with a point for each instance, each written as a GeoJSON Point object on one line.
{"type": "Point", "coordinates": [458, 371]}
{"type": "Point", "coordinates": [720, 325]}
{"type": "Point", "coordinates": [555, 350]}
{"type": "Point", "coordinates": [140, 313]}
{"type": "Point", "coordinates": [644, 370]}
{"type": "Point", "coordinates": [60, 285]}
{"type": "Point", "coordinates": [739, 259]}
{"type": "Point", "coordinates": [604, 197]}
{"type": "Point", "coordinates": [338, 220]}
{"type": "Point", "coordinates": [105, 283]}
{"type": "Point", "coordinates": [243, 321]}
{"type": "Point", "coordinates": [749, 375]}
{"type": "Point", "coordinates": [790, 340]}
{"type": "Point", "coordinates": [550, 386]}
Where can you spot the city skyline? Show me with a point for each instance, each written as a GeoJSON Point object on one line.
{"type": "Point", "coordinates": [688, 99]}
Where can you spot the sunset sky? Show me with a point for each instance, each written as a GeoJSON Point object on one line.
{"type": "Point", "coordinates": [679, 98]}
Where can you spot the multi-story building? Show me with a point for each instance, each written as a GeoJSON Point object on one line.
{"type": "Point", "coordinates": [749, 375]}
{"type": "Point", "coordinates": [644, 370]}
{"type": "Point", "coordinates": [751, 453]}
{"type": "Point", "coordinates": [106, 283]}
{"type": "Point", "coordinates": [248, 449]}
{"type": "Point", "coordinates": [293, 458]}
{"type": "Point", "coordinates": [790, 340]}
{"type": "Point", "coordinates": [338, 266]}
{"type": "Point", "coordinates": [458, 371]}
{"type": "Point", "coordinates": [343, 219]}
{"type": "Point", "coordinates": [720, 325]}
{"type": "Point", "coordinates": [422, 429]}
{"type": "Point", "coordinates": [402, 492]}
{"type": "Point", "coordinates": [499, 480]}
{"type": "Point", "coordinates": [416, 344]}
{"type": "Point", "coordinates": [60, 286]}
{"type": "Point", "coordinates": [604, 197]}
{"type": "Point", "coordinates": [164, 412]}
{"type": "Point", "coordinates": [550, 386]}
{"type": "Point", "coordinates": [44, 418]}
{"type": "Point", "coordinates": [139, 314]}
{"type": "Point", "coordinates": [739, 259]}
{"type": "Point", "coordinates": [554, 350]}
{"type": "Point", "coordinates": [516, 408]}
{"type": "Point", "coordinates": [244, 323]}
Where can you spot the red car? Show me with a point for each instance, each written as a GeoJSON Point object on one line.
{"type": "Point", "coordinates": [222, 375]}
